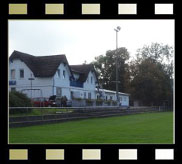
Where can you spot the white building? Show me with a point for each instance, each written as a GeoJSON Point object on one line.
{"type": "Point", "coordinates": [44, 76]}
{"type": "Point", "coordinates": [111, 95]}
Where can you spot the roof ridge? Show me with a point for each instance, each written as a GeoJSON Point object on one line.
{"type": "Point", "coordinates": [23, 53]}
{"type": "Point", "coordinates": [51, 55]}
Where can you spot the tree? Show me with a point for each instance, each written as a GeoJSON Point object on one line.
{"type": "Point", "coordinates": [152, 73]}
{"type": "Point", "coordinates": [162, 53]}
{"type": "Point", "coordinates": [106, 69]}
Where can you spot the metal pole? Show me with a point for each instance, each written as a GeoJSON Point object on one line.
{"type": "Point", "coordinates": [31, 88]}
{"type": "Point", "coordinates": [117, 97]}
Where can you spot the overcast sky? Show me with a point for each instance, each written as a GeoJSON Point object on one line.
{"type": "Point", "coordinates": [82, 40]}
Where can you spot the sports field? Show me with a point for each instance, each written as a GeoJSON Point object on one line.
{"type": "Point", "coordinates": [138, 128]}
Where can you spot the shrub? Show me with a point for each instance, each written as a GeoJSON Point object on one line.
{"type": "Point", "coordinates": [108, 102]}
{"type": "Point", "coordinates": [114, 103]}
{"type": "Point", "coordinates": [78, 99]}
{"type": "Point", "coordinates": [17, 99]}
{"type": "Point", "coordinates": [89, 102]}
{"type": "Point", "coordinates": [99, 102]}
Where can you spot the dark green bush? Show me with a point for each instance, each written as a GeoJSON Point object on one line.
{"type": "Point", "coordinates": [89, 102]}
{"type": "Point", "coordinates": [78, 99]}
{"type": "Point", "coordinates": [99, 102]}
{"type": "Point", "coordinates": [108, 102]}
{"type": "Point", "coordinates": [114, 103]}
{"type": "Point", "coordinates": [17, 99]}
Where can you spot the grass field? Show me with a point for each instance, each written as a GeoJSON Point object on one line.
{"type": "Point", "coordinates": [139, 128]}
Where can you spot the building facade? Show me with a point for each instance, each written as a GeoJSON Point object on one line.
{"type": "Point", "coordinates": [44, 76]}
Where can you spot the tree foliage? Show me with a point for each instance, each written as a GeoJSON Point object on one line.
{"type": "Point", "coordinates": [148, 78]}
{"type": "Point", "coordinates": [152, 75]}
{"type": "Point", "coordinates": [105, 66]}
{"type": "Point", "coordinates": [162, 53]}
{"type": "Point", "coordinates": [151, 84]}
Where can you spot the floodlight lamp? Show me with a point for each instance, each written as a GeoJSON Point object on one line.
{"type": "Point", "coordinates": [118, 28]}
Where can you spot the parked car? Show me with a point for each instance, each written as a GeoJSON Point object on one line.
{"type": "Point", "coordinates": [41, 102]}
{"type": "Point", "coordinates": [60, 101]}
{"type": "Point", "coordinates": [53, 102]}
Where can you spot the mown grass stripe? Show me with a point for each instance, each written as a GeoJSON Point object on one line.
{"type": "Point", "coordinates": [140, 128]}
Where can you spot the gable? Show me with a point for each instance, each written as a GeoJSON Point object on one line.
{"type": "Point", "coordinates": [83, 71]}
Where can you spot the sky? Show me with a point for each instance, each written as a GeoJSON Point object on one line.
{"type": "Point", "coordinates": [83, 40]}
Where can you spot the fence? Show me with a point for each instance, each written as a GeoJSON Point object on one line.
{"type": "Point", "coordinates": [89, 102]}
{"type": "Point", "coordinates": [26, 116]}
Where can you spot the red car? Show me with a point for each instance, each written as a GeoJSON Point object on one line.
{"type": "Point", "coordinates": [41, 102]}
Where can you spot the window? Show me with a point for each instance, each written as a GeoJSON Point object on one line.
{"type": "Point", "coordinates": [87, 80]}
{"type": "Point", "coordinates": [58, 73]}
{"type": "Point", "coordinates": [89, 96]}
{"type": "Point", "coordinates": [13, 74]}
{"type": "Point", "coordinates": [91, 79]}
{"type": "Point", "coordinates": [110, 97]}
{"type": "Point", "coordinates": [21, 73]}
{"type": "Point", "coordinates": [64, 74]}
{"type": "Point", "coordinates": [84, 95]}
{"type": "Point", "coordinates": [72, 94]}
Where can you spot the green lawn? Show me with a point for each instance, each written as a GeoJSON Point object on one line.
{"type": "Point", "coordinates": [139, 128]}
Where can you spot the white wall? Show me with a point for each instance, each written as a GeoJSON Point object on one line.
{"type": "Point", "coordinates": [90, 87]}
{"type": "Point", "coordinates": [125, 100]}
{"type": "Point", "coordinates": [44, 84]}
{"type": "Point", "coordinates": [60, 81]}
{"type": "Point", "coordinates": [64, 83]}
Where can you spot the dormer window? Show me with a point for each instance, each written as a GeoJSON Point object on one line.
{"type": "Point", "coordinates": [64, 74]}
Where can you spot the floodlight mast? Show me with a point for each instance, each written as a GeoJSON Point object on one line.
{"type": "Point", "coordinates": [118, 28]}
